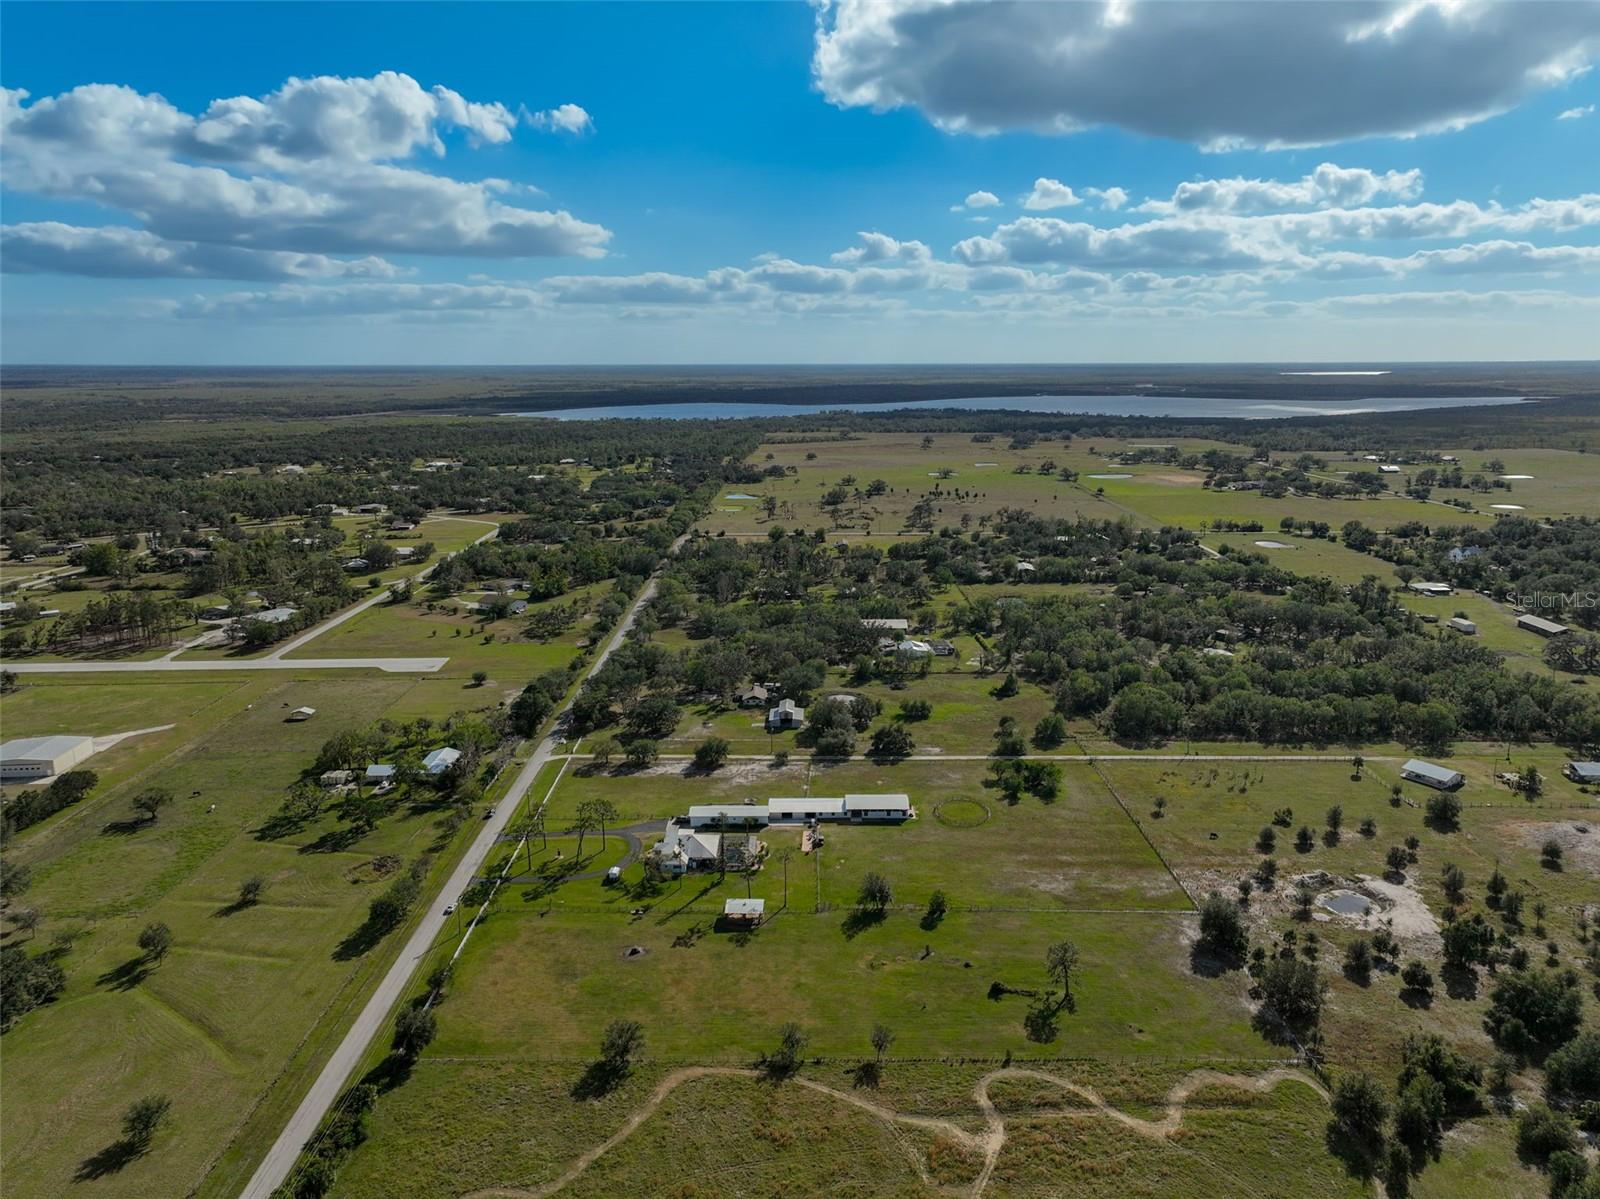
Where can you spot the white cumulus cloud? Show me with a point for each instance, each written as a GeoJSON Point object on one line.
{"type": "Point", "coordinates": [1050, 193]}
{"type": "Point", "coordinates": [1213, 72]}
{"type": "Point", "coordinates": [322, 166]}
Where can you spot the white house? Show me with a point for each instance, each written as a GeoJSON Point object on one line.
{"type": "Point", "coordinates": [28, 758]}
{"type": "Point", "coordinates": [682, 850]}
{"type": "Point", "coordinates": [1438, 777]}
{"type": "Point", "coordinates": [440, 760]}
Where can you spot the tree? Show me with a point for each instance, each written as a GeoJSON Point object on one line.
{"type": "Point", "coordinates": [1060, 960]}
{"type": "Point", "coordinates": [1358, 961]}
{"type": "Point", "coordinates": [1542, 1133]}
{"type": "Point", "coordinates": [1550, 854]}
{"type": "Point", "coordinates": [1050, 732]}
{"type": "Point", "coordinates": [151, 800]}
{"type": "Point", "coordinates": [14, 880]}
{"type": "Point", "coordinates": [1397, 859]}
{"type": "Point", "coordinates": [1143, 713]}
{"type": "Point", "coordinates": [1335, 820]}
{"type": "Point", "coordinates": [1530, 782]}
{"type": "Point", "coordinates": [791, 1047]}
{"type": "Point", "coordinates": [1467, 943]}
{"type": "Point", "coordinates": [882, 1038]}
{"type": "Point", "coordinates": [250, 890]}
{"type": "Point", "coordinates": [1444, 812]}
{"type": "Point", "coordinates": [155, 939]}
{"type": "Point", "coordinates": [1360, 1110]}
{"type": "Point", "coordinates": [710, 754]}
{"type": "Point", "coordinates": [1222, 932]}
{"type": "Point", "coordinates": [1534, 1009]}
{"type": "Point", "coordinates": [875, 893]}
{"type": "Point", "coordinates": [27, 919]}
{"type": "Point", "coordinates": [601, 750]}
{"type": "Point", "coordinates": [892, 741]}
{"type": "Point", "coordinates": [414, 1028]}
{"type": "Point", "coordinates": [144, 1118]}
{"type": "Point", "coordinates": [642, 753]}
{"type": "Point", "coordinates": [619, 1043]}
{"type": "Point", "coordinates": [1573, 1071]}
{"type": "Point", "coordinates": [1293, 990]}
{"type": "Point", "coordinates": [605, 813]}
{"type": "Point", "coordinates": [1417, 977]}
{"type": "Point", "coordinates": [584, 821]}
{"type": "Point", "coordinates": [480, 677]}
{"type": "Point", "coordinates": [938, 907]}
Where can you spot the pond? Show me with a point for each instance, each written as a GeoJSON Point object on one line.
{"type": "Point", "coordinates": [1346, 903]}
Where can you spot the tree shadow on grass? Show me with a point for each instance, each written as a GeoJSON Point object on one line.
{"type": "Point", "coordinates": [860, 920]}
{"type": "Point", "coordinates": [335, 840]}
{"type": "Point", "coordinates": [598, 1080]}
{"type": "Point", "coordinates": [359, 942]}
{"type": "Point", "coordinates": [126, 976]}
{"type": "Point", "coordinates": [867, 1075]}
{"type": "Point", "coordinates": [1208, 963]}
{"type": "Point", "coordinates": [124, 828]}
{"type": "Point", "coordinates": [110, 1160]}
{"type": "Point", "coordinates": [1460, 982]}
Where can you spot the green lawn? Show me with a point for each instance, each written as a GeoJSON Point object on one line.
{"type": "Point", "coordinates": [245, 994]}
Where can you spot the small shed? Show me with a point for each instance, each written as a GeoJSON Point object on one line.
{"type": "Point", "coordinates": [336, 778]}
{"type": "Point", "coordinates": [1440, 778]}
{"type": "Point", "coordinates": [744, 911]}
{"type": "Point", "coordinates": [300, 714]}
{"type": "Point", "coordinates": [379, 772]}
{"type": "Point", "coordinates": [753, 696]}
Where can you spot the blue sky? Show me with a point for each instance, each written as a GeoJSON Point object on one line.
{"type": "Point", "coordinates": [410, 183]}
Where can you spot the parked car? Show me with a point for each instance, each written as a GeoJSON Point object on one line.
{"type": "Point", "coordinates": [613, 876]}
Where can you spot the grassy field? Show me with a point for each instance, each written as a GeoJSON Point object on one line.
{"type": "Point", "coordinates": [409, 630]}
{"type": "Point", "coordinates": [245, 992]}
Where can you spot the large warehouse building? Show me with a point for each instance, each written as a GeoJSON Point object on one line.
{"type": "Point", "coordinates": [40, 757]}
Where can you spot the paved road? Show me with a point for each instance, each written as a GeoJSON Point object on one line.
{"type": "Point", "coordinates": [275, 660]}
{"type": "Point", "coordinates": [373, 1020]}
{"type": "Point", "coordinates": [392, 665]}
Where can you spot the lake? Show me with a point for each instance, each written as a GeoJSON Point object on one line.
{"type": "Point", "coordinates": [1091, 405]}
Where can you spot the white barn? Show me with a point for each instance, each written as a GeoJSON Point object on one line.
{"type": "Point", "coordinates": [27, 758]}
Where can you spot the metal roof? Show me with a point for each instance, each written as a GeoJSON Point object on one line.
{"type": "Point", "coordinates": [1428, 770]}
{"type": "Point", "coordinates": [744, 907]}
{"type": "Point", "coordinates": [27, 748]}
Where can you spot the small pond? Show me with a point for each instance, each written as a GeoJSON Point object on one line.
{"type": "Point", "coordinates": [1346, 903]}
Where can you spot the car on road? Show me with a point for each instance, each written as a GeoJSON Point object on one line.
{"type": "Point", "coordinates": [449, 909]}
{"type": "Point", "coordinates": [488, 813]}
